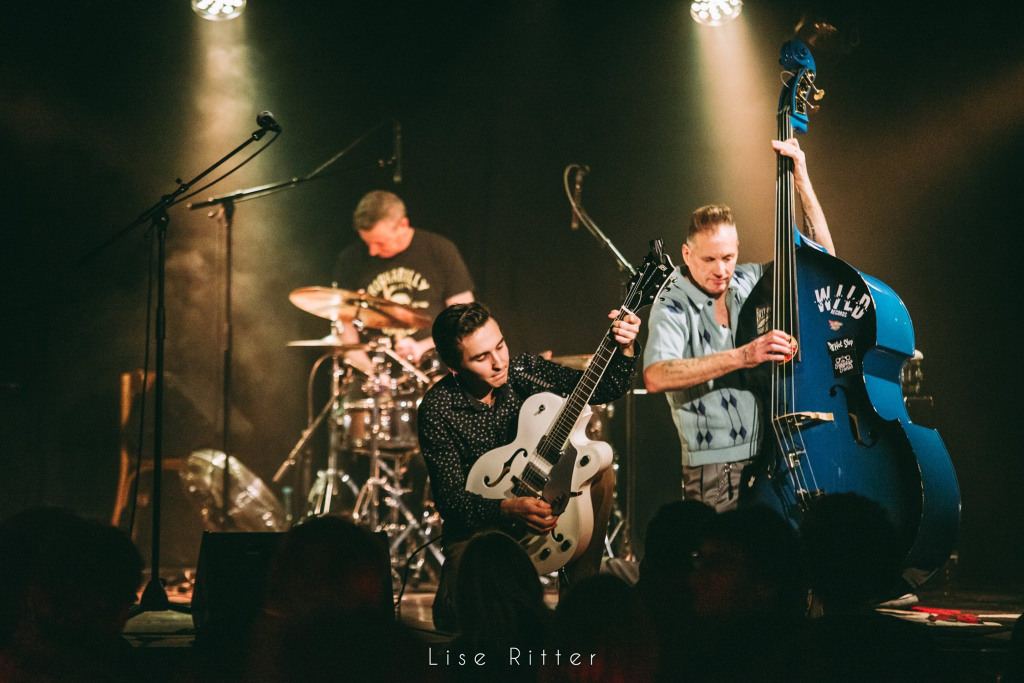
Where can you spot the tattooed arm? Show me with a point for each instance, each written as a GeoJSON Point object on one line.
{"type": "Point", "coordinates": [683, 373]}
{"type": "Point", "coordinates": [814, 217]}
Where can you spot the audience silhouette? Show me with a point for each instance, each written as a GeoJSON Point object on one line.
{"type": "Point", "coordinates": [70, 584]}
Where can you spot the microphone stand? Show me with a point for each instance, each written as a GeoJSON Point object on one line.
{"type": "Point", "coordinates": [628, 271]}
{"type": "Point", "coordinates": [602, 239]}
{"type": "Point", "coordinates": [225, 213]}
{"type": "Point", "coordinates": [154, 597]}
{"type": "Point", "coordinates": [273, 188]}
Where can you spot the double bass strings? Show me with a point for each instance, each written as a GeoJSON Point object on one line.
{"type": "Point", "coordinates": [788, 434]}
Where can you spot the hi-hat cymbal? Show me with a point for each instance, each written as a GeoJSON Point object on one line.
{"type": "Point", "coordinates": [578, 361]}
{"type": "Point", "coordinates": [344, 305]}
{"type": "Point", "coordinates": [331, 341]}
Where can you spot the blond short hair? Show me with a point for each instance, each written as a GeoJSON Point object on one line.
{"type": "Point", "coordinates": [707, 218]}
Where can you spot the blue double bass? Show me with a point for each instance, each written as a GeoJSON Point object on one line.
{"type": "Point", "coordinates": [834, 417]}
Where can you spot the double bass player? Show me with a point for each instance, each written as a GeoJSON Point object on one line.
{"type": "Point", "coordinates": [692, 344]}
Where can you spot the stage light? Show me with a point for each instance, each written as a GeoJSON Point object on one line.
{"type": "Point", "coordinates": [715, 12]}
{"type": "Point", "coordinates": [218, 10]}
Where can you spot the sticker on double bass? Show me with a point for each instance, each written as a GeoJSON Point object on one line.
{"type": "Point", "coordinates": [844, 356]}
{"type": "Point", "coordinates": [842, 301]}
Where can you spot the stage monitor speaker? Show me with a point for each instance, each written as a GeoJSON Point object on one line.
{"type": "Point", "coordinates": [231, 581]}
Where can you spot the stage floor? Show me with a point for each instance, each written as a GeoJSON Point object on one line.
{"type": "Point", "coordinates": [972, 628]}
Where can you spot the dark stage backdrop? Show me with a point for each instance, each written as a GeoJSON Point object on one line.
{"type": "Point", "coordinates": [915, 155]}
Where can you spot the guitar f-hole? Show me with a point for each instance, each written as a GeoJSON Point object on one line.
{"type": "Point", "coordinates": [505, 469]}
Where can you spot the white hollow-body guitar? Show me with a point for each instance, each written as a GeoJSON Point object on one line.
{"type": "Point", "coordinates": [551, 457]}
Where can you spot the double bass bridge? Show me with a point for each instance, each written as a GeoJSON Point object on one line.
{"type": "Point", "coordinates": [802, 419]}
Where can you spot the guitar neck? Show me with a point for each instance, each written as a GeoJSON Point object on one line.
{"type": "Point", "coordinates": [557, 436]}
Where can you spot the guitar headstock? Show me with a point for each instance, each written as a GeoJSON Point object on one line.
{"type": "Point", "coordinates": [797, 60]}
{"type": "Point", "coordinates": [650, 277]}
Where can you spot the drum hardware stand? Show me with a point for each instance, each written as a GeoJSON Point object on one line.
{"type": "Point", "coordinates": [383, 485]}
{"type": "Point", "coordinates": [325, 491]}
{"type": "Point", "coordinates": [403, 527]}
{"type": "Point", "coordinates": [423, 528]}
{"type": "Point", "coordinates": [154, 596]}
{"type": "Point", "coordinates": [368, 500]}
{"type": "Point", "coordinates": [616, 526]}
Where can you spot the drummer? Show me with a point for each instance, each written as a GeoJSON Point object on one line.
{"type": "Point", "coordinates": [411, 266]}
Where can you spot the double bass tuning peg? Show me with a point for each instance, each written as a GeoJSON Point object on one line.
{"type": "Point", "coordinates": [816, 94]}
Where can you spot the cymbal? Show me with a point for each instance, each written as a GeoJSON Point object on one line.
{"type": "Point", "coordinates": [578, 361]}
{"type": "Point", "coordinates": [331, 341]}
{"type": "Point", "coordinates": [344, 305]}
{"type": "Point", "coordinates": [252, 506]}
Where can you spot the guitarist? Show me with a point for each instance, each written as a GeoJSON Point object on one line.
{"type": "Point", "coordinates": [475, 408]}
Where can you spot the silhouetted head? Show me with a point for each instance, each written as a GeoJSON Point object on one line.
{"type": "Point", "coordinates": [499, 599]}
{"type": "Point", "coordinates": [852, 551]}
{"type": "Point", "coordinates": [748, 565]}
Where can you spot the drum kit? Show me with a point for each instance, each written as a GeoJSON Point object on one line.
{"type": "Point", "coordinates": [370, 415]}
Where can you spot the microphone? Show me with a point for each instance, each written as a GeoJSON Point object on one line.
{"type": "Point", "coordinates": [266, 121]}
{"type": "Point", "coordinates": [396, 140]}
{"type": "Point", "coordinates": [580, 172]}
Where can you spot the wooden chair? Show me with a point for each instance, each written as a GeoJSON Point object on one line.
{"type": "Point", "coordinates": [131, 393]}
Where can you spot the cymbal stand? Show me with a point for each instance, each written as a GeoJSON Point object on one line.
{"type": "Point", "coordinates": [368, 501]}
{"type": "Point", "coordinates": [325, 495]}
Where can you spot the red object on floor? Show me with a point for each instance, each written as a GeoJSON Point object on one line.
{"type": "Point", "coordinates": [939, 614]}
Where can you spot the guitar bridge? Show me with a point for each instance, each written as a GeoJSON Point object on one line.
{"type": "Point", "coordinates": [520, 485]}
